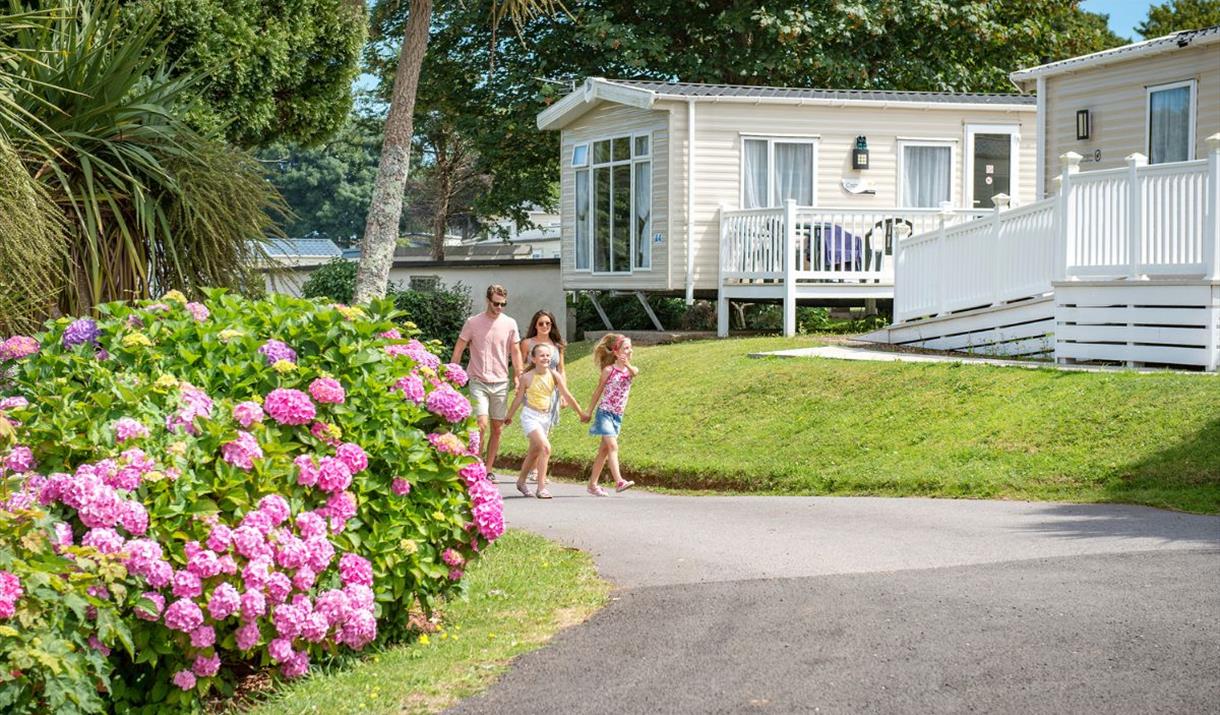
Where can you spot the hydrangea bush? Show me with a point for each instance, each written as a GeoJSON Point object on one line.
{"type": "Point", "coordinates": [220, 486]}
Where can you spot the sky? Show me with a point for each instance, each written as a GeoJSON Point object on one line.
{"type": "Point", "coordinates": [1124, 14]}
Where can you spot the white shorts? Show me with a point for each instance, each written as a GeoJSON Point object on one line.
{"type": "Point", "coordinates": [532, 419]}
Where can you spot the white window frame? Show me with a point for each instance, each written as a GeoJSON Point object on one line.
{"type": "Point", "coordinates": [575, 150]}
{"type": "Point", "coordinates": [590, 166]}
{"type": "Point", "coordinates": [1014, 143]}
{"type": "Point", "coordinates": [901, 166]}
{"type": "Point", "coordinates": [1194, 112]}
{"type": "Point", "coordinates": [772, 139]}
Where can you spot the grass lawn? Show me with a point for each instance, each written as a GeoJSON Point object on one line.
{"type": "Point", "coordinates": [519, 594]}
{"type": "Point", "coordinates": [704, 416]}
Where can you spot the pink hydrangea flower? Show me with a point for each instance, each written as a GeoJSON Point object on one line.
{"type": "Point", "coordinates": [158, 603]}
{"type": "Point", "coordinates": [391, 334]}
{"type": "Point", "coordinates": [20, 459]}
{"type": "Point", "coordinates": [99, 646]}
{"type": "Point", "coordinates": [183, 615]}
{"type": "Point", "coordinates": [340, 507]}
{"type": "Point", "coordinates": [63, 534]}
{"type": "Point", "coordinates": [333, 604]}
{"type": "Point", "coordinates": [448, 403]}
{"type": "Point", "coordinates": [253, 605]}
{"type": "Point", "coordinates": [256, 573]}
{"type": "Point", "coordinates": [13, 403]}
{"type": "Point", "coordinates": [204, 564]}
{"type": "Point", "coordinates": [296, 666]}
{"type": "Point", "coordinates": [446, 443]}
{"type": "Point", "coordinates": [289, 407]}
{"type": "Point", "coordinates": [193, 403]}
{"type": "Point", "coordinates": [159, 574]}
{"type": "Point", "coordinates": [250, 542]}
{"type": "Point", "coordinates": [247, 413]}
{"type": "Point", "coordinates": [104, 539]}
{"type": "Point", "coordinates": [187, 584]}
{"type": "Point", "coordinates": [203, 637]}
{"type": "Point", "coordinates": [411, 387]}
{"type": "Point", "coordinates": [10, 592]}
{"type": "Point", "coordinates": [206, 666]}
{"type": "Point", "coordinates": [455, 374]}
{"type": "Point", "coordinates": [400, 486]}
{"type": "Point", "coordinates": [327, 390]}
{"type": "Point", "coordinates": [220, 539]}
{"type": "Point", "coordinates": [224, 602]}
{"type": "Point", "coordinates": [18, 346]}
{"type": "Point", "coordinates": [419, 352]}
{"type": "Point", "coordinates": [307, 470]}
{"type": "Point", "coordinates": [275, 507]}
{"type": "Point", "coordinates": [126, 428]}
{"type": "Point", "coordinates": [304, 578]}
{"type": "Point", "coordinates": [242, 451]}
{"type": "Point", "coordinates": [280, 649]}
{"type": "Point", "coordinates": [453, 558]}
{"type": "Point", "coordinates": [310, 524]}
{"type": "Point", "coordinates": [291, 553]}
{"type": "Point", "coordinates": [455, 574]}
{"type": "Point", "coordinates": [359, 629]}
{"type": "Point", "coordinates": [321, 552]}
{"type": "Point", "coordinates": [133, 517]}
{"type": "Point", "coordinates": [322, 431]}
{"type": "Point", "coordinates": [184, 679]}
{"type": "Point", "coordinates": [487, 509]}
{"type": "Point", "coordinates": [274, 351]}
{"type": "Point", "coordinates": [278, 587]}
{"type": "Point", "coordinates": [353, 456]}
{"type": "Point", "coordinates": [198, 311]}
{"type": "Point", "coordinates": [334, 475]}
{"type": "Point", "coordinates": [473, 472]}
{"type": "Point", "coordinates": [248, 635]}
{"type": "Point", "coordinates": [314, 627]}
{"type": "Point", "coordinates": [354, 568]}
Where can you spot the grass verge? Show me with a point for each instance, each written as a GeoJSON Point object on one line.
{"type": "Point", "coordinates": [520, 593]}
{"type": "Point", "coordinates": [705, 416]}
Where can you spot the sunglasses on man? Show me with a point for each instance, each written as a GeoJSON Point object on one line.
{"type": "Point", "coordinates": [500, 303]}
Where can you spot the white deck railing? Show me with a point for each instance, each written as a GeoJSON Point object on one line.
{"type": "Point", "coordinates": [827, 244]}
{"type": "Point", "coordinates": [1135, 222]}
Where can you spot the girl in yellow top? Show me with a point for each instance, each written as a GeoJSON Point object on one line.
{"type": "Point", "coordinates": [536, 389]}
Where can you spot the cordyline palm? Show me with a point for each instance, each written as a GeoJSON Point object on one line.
{"type": "Point", "coordinates": [147, 204]}
{"type": "Point", "coordinates": [381, 229]}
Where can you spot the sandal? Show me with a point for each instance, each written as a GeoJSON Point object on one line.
{"type": "Point", "coordinates": [525, 492]}
{"type": "Point", "coordinates": [624, 485]}
{"type": "Point", "coordinates": [597, 491]}
{"type": "Point", "coordinates": [543, 494]}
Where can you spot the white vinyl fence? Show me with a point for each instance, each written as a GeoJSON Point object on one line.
{"type": "Point", "coordinates": [1130, 223]}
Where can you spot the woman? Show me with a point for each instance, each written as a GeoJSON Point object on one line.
{"type": "Point", "coordinates": [544, 330]}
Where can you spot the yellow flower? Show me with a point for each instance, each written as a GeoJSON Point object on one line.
{"type": "Point", "coordinates": [409, 325]}
{"type": "Point", "coordinates": [174, 295]}
{"type": "Point", "coordinates": [350, 312]}
{"type": "Point", "coordinates": [228, 334]}
{"type": "Point", "coordinates": [166, 382]}
{"type": "Point", "coordinates": [333, 431]}
{"type": "Point", "coordinates": [423, 639]}
{"type": "Point", "coordinates": [178, 448]}
{"type": "Point", "coordinates": [284, 366]}
{"type": "Point", "coordinates": [154, 476]}
{"type": "Point", "coordinates": [132, 340]}
{"type": "Point", "coordinates": [408, 546]}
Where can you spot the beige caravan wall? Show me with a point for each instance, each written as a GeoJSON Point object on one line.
{"type": "Point", "coordinates": [720, 127]}
{"type": "Point", "coordinates": [1116, 97]}
{"type": "Point", "coordinates": [603, 122]}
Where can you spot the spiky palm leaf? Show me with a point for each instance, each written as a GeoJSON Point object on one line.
{"type": "Point", "coordinates": [149, 203]}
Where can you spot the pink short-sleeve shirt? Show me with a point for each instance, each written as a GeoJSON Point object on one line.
{"type": "Point", "coordinates": [489, 341]}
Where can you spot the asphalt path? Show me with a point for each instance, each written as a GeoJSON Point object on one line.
{"type": "Point", "coordinates": [824, 604]}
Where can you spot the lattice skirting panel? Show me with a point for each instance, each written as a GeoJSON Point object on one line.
{"type": "Point", "coordinates": [1137, 322]}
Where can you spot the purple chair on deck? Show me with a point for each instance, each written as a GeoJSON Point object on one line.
{"type": "Point", "coordinates": [840, 249]}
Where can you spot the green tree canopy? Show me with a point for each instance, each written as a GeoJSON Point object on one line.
{"type": "Point", "coordinates": [275, 69]}
{"type": "Point", "coordinates": [1178, 15]}
{"type": "Point", "coordinates": [886, 44]}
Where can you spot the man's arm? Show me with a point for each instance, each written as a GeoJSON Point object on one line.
{"type": "Point", "coordinates": [515, 349]}
{"type": "Point", "coordinates": [458, 348]}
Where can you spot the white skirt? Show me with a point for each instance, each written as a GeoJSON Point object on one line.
{"type": "Point", "coordinates": [532, 419]}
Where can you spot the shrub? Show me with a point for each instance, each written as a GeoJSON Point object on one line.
{"type": "Point", "coordinates": [438, 314]}
{"type": "Point", "coordinates": [335, 280]}
{"type": "Point", "coordinates": [255, 483]}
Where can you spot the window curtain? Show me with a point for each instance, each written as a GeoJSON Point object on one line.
{"type": "Point", "coordinates": [643, 214]}
{"type": "Point", "coordinates": [754, 157]}
{"type": "Point", "coordinates": [926, 176]}
{"type": "Point", "coordinates": [1169, 125]}
{"type": "Point", "coordinates": [582, 220]}
{"type": "Point", "coordinates": [794, 173]}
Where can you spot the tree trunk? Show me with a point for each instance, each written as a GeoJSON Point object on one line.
{"type": "Point", "coordinates": [381, 230]}
{"type": "Point", "coordinates": [440, 222]}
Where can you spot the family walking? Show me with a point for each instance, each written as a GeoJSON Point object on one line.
{"type": "Point", "coordinates": [540, 388]}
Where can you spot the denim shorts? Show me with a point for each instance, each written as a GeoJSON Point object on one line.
{"type": "Point", "coordinates": [605, 424]}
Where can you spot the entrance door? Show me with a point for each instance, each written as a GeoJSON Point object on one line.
{"type": "Point", "coordinates": [991, 165]}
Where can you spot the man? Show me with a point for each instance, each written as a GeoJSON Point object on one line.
{"type": "Point", "coordinates": [492, 338]}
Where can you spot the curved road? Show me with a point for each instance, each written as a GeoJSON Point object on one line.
{"type": "Point", "coordinates": [824, 604]}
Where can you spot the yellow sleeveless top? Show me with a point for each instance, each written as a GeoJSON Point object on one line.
{"type": "Point", "coordinates": [538, 394]}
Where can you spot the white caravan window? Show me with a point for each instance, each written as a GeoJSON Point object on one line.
{"type": "Point", "coordinates": [775, 170]}
{"type": "Point", "coordinates": [926, 174]}
{"type": "Point", "coordinates": [614, 206]}
{"type": "Point", "coordinates": [1171, 122]}
{"type": "Point", "coordinates": [580, 155]}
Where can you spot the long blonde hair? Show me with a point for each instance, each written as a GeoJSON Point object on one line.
{"type": "Point", "coordinates": [603, 353]}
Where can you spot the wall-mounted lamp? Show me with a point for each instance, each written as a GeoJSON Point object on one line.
{"type": "Point", "coordinates": [1083, 124]}
{"type": "Point", "coordinates": [859, 155]}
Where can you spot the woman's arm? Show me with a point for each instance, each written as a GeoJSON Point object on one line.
{"type": "Point", "coordinates": [524, 350]}
{"type": "Point", "coordinates": [562, 348]}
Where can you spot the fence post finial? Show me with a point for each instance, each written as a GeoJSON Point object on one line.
{"type": "Point", "coordinates": [1001, 201]}
{"type": "Point", "coordinates": [1070, 162]}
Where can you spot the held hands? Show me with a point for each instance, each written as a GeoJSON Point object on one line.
{"type": "Point", "coordinates": [585, 417]}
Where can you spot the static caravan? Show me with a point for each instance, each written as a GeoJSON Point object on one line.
{"type": "Point", "coordinates": [767, 193]}
{"type": "Point", "coordinates": [1120, 262]}
{"type": "Point", "coordinates": [1159, 99]}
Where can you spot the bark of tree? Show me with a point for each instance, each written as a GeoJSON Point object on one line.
{"type": "Point", "coordinates": [381, 229]}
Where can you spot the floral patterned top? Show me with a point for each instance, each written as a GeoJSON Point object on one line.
{"type": "Point", "coordinates": [614, 395]}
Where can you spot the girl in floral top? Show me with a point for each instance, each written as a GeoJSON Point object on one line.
{"type": "Point", "coordinates": [613, 356]}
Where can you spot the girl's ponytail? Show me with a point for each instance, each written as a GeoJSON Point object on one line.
{"type": "Point", "coordinates": [603, 353]}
